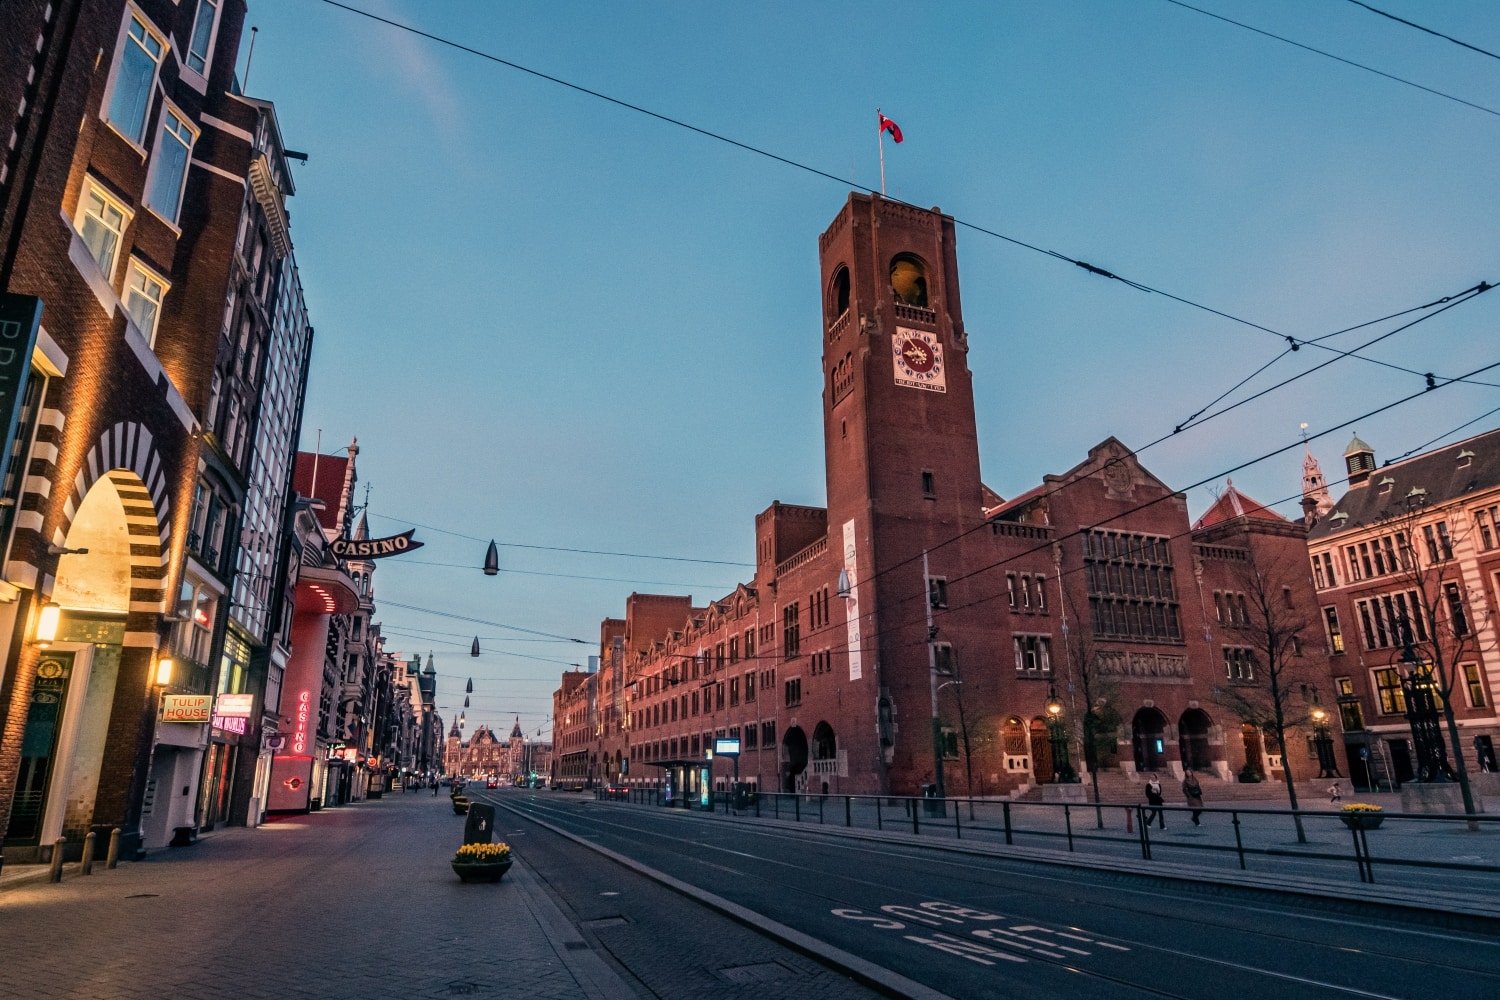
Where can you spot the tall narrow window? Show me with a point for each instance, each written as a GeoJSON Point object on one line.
{"type": "Point", "coordinates": [143, 295]}
{"type": "Point", "coordinates": [203, 35]}
{"type": "Point", "coordinates": [1335, 634]}
{"type": "Point", "coordinates": [135, 77]}
{"type": "Point", "coordinates": [169, 165]}
{"type": "Point", "coordinates": [101, 223]}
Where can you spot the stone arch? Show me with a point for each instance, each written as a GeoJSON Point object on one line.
{"type": "Point", "coordinates": [126, 455]}
{"type": "Point", "coordinates": [838, 293]}
{"type": "Point", "coordinates": [825, 745]}
{"type": "Point", "coordinates": [909, 280]}
{"type": "Point", "coordinates": [793, 757]}
{"type": "Point", "coordinates": [1192, 739]}
{"type": "Point", "coordinates": [1147, 729]}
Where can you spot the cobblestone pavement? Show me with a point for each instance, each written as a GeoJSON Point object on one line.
{"type": "Point", "coordinates": [356, 902]}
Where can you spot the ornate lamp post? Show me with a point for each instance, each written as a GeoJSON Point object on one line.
{"type": "Point", "coordinates": [1323, 742]}
{"type": "Point", "coordinates": [1422, 714]}
{"type": "Point", "coordinates": [1057, 736]}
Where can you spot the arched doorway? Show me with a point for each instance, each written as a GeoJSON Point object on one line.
{"type": "Point", "coordinates": [1041, 752]}
{"type": "Point", "coordinates": [1014, 740]}
{"type": "Point", "coordinates": [1255, 769]}
{"type": "Point", "coordinates": [68, 736]}
{"type": "Point", "coordinates": [1192, 738]}
{"type": "Point", "coordinates": [825, 752]}
{"type": "Point", "coordinates": [793, 757]}
{"type": "Point", "coordinates": [1147, 735]}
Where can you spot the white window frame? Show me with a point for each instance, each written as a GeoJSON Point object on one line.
{"type": "Point", "coordinates": [92, 187]}
{"type": "Point", "coordinates": [133, 14]}
{"type": "Point", "coordinates": [213, 36]}
{"type": "Point", "coordinates": [165, 134]}
{"type": "Point", "coordinates": [152, 276]}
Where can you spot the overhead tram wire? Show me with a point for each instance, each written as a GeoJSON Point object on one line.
{"type": "Point", "coordinates": [1325, 54]}
{"type": "Point", "coordinates": [481, 621]}
{"type": "Point", "coordinates": [558, 548]}
{"type": "Point", "coordinates": [807, 168]}
{"type": "Point", "coordinates": [1413, 24]}
{"type": "Point", "coordinates": [498, 652]}
{"type": "Point", "coordinates": [567, 576]}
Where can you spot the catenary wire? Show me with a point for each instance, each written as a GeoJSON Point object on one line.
{"type": "Point", "coordinates": [787, 161]}
{"type": "Point", "coordinates": [1322, 52]}
{"type": "Point", "coordinates": [1413, 24]}
{"type": "Point", "coordinates": [562, 576]}
{"type": "Point", "coordinates": [480, 621]}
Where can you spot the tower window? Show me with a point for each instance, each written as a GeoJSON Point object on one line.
{"type": "Point", "coordinates": [909, 280]}
{"type": "Point", "coordinates": [839, 297]}
{"type": "Point", "coordinates": [927, 485]}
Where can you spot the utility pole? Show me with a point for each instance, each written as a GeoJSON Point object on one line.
{"type": "Point", "coordinates": [937, 724]}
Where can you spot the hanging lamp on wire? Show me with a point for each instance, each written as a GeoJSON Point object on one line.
{"type": "Point", "coordinates": [466, 701]}
{"type": "Point", "coordinates": [474, 649]}
{"type": "Point", "coordinates": [492, 559]}
{"type": "Point", "coordinates": [469, 688]}
{"type": "Point", "coordinates": [843, 590]}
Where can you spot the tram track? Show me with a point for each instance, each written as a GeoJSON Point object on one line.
{"type": "Point", "coordinates": [799, 879]}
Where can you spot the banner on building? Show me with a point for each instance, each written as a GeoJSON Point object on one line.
{"type": "Point", "coordinates": [234, 706]}
{"type": "Point", "coordinates": [851, 606]}
{"type": "Point", "coordinates": [375, 548]}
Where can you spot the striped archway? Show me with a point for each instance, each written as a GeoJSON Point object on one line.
{"type": "Point", "coordinates": [126, 456]}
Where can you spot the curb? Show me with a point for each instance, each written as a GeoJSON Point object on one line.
{"type": "Point", "coordinates": [867, 973]}
{"type": "Point", "coordinates": [1395, 902]}
{"type": "Point", "coordinates": [593, 974]}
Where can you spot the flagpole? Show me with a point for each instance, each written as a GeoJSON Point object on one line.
{"type": "Point", "coordinates": [881, 139]}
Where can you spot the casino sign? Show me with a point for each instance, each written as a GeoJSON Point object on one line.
{"type": "Point", "coordinates": [375, 548]}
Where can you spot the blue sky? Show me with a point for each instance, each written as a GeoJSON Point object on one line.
{"type": "Point", "coordinates": [555, 322]}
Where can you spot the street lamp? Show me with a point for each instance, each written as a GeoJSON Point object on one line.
{"type": "Point", "coordinates": [1057, 736]}
{"type": "Point", "coordinates": [1323, 743]}
{"type": "Point", "coordinates": [47, 620]}
{"type": "Point", "coordinates": [1422, 713]}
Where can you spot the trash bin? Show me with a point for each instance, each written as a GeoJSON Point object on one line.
{"type": "Point", "coordinates": [744, 795]}
{"type": "Point", "coordinates": [931, 804]}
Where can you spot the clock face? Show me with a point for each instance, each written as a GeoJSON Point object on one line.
{"type": "Point", "coordinates": [918, 360]}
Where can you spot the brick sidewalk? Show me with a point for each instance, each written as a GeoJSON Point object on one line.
{"type": "Point", "coordinates": [356, 902]}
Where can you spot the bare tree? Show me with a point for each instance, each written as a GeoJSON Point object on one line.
{"type": "Point", "coordinates": [1099, 720]}
{"type": "Point", "coordinates": [1268, 690]}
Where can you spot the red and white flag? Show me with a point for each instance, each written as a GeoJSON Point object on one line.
{"type": "Point", "coordinates": [886, 125]}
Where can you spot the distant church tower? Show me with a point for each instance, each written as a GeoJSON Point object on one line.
{"type": "Point", "coordinates": [1316, 502]}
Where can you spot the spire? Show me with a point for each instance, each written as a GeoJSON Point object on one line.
{"type": "Point", "coordinates": [1316, 501]}
{"type": "Point", "coordinates": [430, 668]}
{"type": "Point", "coordinates": [361, 528]}
{"type": "Point", "coordinates": [515, 732]}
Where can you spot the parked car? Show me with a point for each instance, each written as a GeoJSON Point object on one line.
{"type": "Point", "coordinates": [619, 792]}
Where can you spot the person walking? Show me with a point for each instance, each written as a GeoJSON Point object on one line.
{"type": "Point", "coordinates": [1193, 792]}
{"type": "Point", "coordinates": [1154, 798]}
{"type": "Point", "coordinates": [1335, 793]}
{"type": "Point", "coordinates": [435, 784]}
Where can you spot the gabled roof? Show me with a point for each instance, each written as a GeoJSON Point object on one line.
{"type": "Point", "coordinates": [1232, 504]}
{"type": "Point", "coordinates": [1446, 474]}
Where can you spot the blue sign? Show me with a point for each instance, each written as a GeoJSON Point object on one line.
{"type": "Point", "coordinates": [20, 319]}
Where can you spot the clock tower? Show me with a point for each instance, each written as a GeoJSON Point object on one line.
{"type": "Point", "coordinates": [902, 459]}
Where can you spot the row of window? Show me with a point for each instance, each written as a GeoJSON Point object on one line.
{"type": "Point", "coordinates": [1390, 620]}
{"type": "Point", "coordinates": [1394, 552]}
{"type": "Point", "coordinates": [1026, 592]}
{"type": "Point", "coordinates": [752, 736]}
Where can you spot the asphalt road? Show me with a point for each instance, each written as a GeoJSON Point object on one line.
{"type": "Point", "coordinates": [979, 927]}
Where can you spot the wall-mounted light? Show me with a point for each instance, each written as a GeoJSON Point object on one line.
{"type": "Point", "coordinates": [46, 623]}
{"type": "Point", "coordinates": [164, 671]}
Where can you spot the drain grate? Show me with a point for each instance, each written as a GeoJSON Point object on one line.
{"type": "Point", "coordinates": [462, 988]}
{"type": "Point", "coordinates": [761, 972]}
{"type": "Point", "coordinates": [615, 921]}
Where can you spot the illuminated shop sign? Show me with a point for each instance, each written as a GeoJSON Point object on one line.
{"type": "Point", "coordinates": [186, 707]}
{"type": "Point", "coordinates": [726, 748]}
{"type": "Point", "coordinates": [231, 723]}
{"type": "Point", "coordinates": [375, 548]}
{"type": "Point", "coordinates": [232, 706]}
{"type": "Point", "coordinates": [299, 730]}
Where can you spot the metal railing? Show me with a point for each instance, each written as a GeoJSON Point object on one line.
{"type": "Point", "coordinates": [1404, 847]}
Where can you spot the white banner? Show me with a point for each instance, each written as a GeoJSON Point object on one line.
{"type": "Point", "coordinates": [851, 606]}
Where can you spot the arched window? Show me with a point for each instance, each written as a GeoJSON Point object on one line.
{"type": "Point", "coordinates": [839, 293]}
{"type": "Point", "coordinates": [909, 280]}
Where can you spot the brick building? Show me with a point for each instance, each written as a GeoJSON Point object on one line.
{"type": "Point", "coordinates": [914, 631]}
{"type": "Point", "coordinates": [1407, 570]}
{"type": "Point", "coordinates": [122, 196]}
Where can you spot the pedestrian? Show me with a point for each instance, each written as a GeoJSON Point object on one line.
{"type": "Point", "coordinates": [1193, 792]}
{"type": "Point", "coordinates": [435, 784]}
{"type": "Point", "coordinates": [1154, 798]}
{"type": "Point", "coordinates": [1335, 793]}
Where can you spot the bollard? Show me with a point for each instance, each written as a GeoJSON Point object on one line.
{"type": "Point", "coordinates": [114, 849]}
{"type": "Point", "coordinates": [54, 872]}
{"type": "Point", "coordinates": [86, 863]}
{"type": "Point", "coordinates": [1129, 820]}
